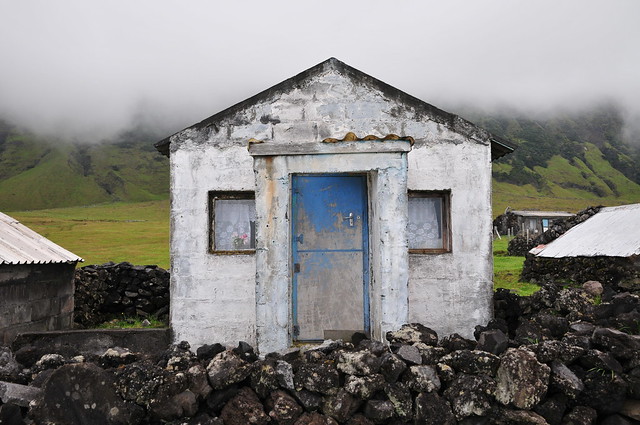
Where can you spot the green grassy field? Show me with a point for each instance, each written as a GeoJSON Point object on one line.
{"type": "Point", "coordinates": [506, 270]}
{"type": "Point", "coordinates": [133, 232]}
{"type": "Point", "coordinates": [139, 233]}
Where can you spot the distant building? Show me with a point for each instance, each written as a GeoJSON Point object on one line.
{"type": "Point", "coordinates": [531, 223]}
{"type": "Point", "coordinates": [308, 212]}
{"type": "Point", "coordinates": [36, 281]}
{"type": "Point", "coordinates": [605, 247]}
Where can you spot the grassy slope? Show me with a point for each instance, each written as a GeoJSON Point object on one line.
{"type": "Point", "coordinates": [568, 187]}
{"type": "Point", "coordinates": [133, 232]}
{"type": "Point", "coordinates": [37, 175]}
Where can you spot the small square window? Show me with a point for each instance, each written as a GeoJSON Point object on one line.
{"type": "Point", "coordinates": [232, 222]}
{"type": "Point", "coordinates": [428, 225]}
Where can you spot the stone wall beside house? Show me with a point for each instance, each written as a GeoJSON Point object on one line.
{"type": "Point", "coordinates": [35, 297]}
{"type": "Point", "coordinates": [111, 290]}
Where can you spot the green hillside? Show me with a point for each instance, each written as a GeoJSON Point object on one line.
{"type": "Point", "coordinates": [561, 162]}
{"type": "Point", "coordinates": [564, 162]}
{"type": "Point", "coordinates": [37, 174]}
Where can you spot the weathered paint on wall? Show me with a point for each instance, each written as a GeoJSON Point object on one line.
{"type": "Point", "coordinates": [35, 297]}
{"type": "Point", "coordinates": [388, 214]}
{"type": "Point", "coordinates": [214, 297]}
{"type": "Point", "coordinates": [452, 292]}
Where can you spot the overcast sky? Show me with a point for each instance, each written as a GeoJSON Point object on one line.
{"type": "Point", "coordinates": [92, 68]}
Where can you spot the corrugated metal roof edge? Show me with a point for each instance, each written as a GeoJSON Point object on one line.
{"type": "Point", "coordinates": [17, 263]}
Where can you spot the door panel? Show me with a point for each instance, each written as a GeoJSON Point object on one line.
{"type": "Point", "coordinates": [330, 255]}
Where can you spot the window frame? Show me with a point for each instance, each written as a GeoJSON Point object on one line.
{"type": "Point", "coordinates": [225, 195]}
{"type": "Point", "coordinates": [445, 196]}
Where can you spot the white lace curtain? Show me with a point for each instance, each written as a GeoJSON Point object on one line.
{"type": "Point", "coordinates": [234, 224]}
{"type": "Point", "coordinates": [425, 223]}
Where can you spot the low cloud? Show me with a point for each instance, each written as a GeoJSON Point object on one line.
{"type": "Point", "coordinates": [92, 69]}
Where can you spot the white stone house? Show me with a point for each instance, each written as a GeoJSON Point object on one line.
{"type": "Point", "coordinates": [329, 204]}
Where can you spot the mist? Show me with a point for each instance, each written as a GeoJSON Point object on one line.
{"type": "Point", "coordinates": [89, 70]}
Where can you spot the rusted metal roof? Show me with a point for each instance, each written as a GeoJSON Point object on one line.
{"type": "Point", "coordinates": [612, 232]}
{"type": "Point", "coordinates": [524, 213]}
{"type": "Point", "coordinates": [21, 245]}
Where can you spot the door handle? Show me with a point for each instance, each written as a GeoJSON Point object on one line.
{"type": "Point", "coordinates": [350, 218]}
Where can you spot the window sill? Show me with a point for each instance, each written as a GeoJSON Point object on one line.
{"type": "Point", "coordinates": [243, 252]}
{"type": "Point", "coordinates": [429, 251]}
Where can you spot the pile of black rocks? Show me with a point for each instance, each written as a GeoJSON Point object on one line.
{"type": "Point", "coordinates": [108, 291]}
{"type": "Point", "coordinates": [562, 356]}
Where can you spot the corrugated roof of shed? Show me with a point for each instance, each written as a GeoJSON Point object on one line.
{"type": "Point", "coordinates": [524, 213]}
{"type": "Point", "coordinates": [21, 245]}
{"type": "Point", "coordinates": [612, 232]}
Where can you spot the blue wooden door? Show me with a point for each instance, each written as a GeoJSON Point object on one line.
{"type": "Point", "coordinates": [330, 256]}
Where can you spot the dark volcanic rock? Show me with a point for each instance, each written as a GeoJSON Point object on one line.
{"type": "Point", "coordinates": [580, 415]}
{"type": "Point", "coordinates": [83, 394]}
{"type": "Point", "coordinates": [565, 381]}
{"type": "Point", "coordinates": [340, 406]}
{"type": "Point", "coordinates": [391, 367]}
{"type": "Point", "coordinates": [10, 414]}
{"type": "Point", "coordinates": [493, 341]}
{"type": "Point", "coordinates": [422, 379]}
{"type": "Point", "coordinates": [413, 333]}
{"type": "Point", "coordinates": [364, 386]}
{"type": "Point", "coordinates": [315, 419]}
{"type": "Point", "coordinates": [358, 363]}
{"type": "Point", "coordinates": [431, 409]}
{"type": "Point", "coordinates": [472, 362]}
{"type": "Point", "coordinates": [521, 379]}
{"type": "Point", "coordinates": [208, 351]}
{"type": "Point", "coordinates": [244, 408]}
{"type": "Point", "coordinates": [318, 377]}
{"type": "Point", "coordinates": [470, 395]}
{"type": "Point", "coordinates": [227, 368]}
{"type": "Point", "coordinates": [379, 411]}
{"type": "Point", "coordinates": [283, 408]}
{"type": "Point", "coordinates": [604, 391]}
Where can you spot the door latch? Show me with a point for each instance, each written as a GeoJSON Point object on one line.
{"type": "Point", "coordinates": [350, 218]}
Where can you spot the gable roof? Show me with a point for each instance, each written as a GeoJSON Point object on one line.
{"type": "Point", "coordinates": [21, 245]}
{"type": "Point", "coordinates": [499, 147]}
{"type": "Point", "coordinates": [612, 232]}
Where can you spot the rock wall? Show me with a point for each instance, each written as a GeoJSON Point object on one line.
{"type": "Point", "coordinates": [107, 291]}
{"type": "Point", "coordinates": [561, 356]}
{"type": "Point", "coordinates": [609, 270]}
{"type": "Point", "coordinates": [520, 245]}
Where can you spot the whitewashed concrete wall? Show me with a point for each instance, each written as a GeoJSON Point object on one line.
{"type": "Point", "coordinates": [452, 292]}
{"type": "Point", "coordinates": [213, 297]}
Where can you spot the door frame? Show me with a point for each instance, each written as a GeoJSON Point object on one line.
{"type": "Point", "coordinates": [366, 263]}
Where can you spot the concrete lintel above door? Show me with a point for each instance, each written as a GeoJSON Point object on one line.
{"type": "Point", "coordinates": [361, 146]}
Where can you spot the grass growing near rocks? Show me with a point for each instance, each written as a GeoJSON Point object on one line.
{"type": "Point", "coordinates": [507, 270]}
{"type": "Point", "coordinates": [133, 232]}
{"type": "Point", "coordinates": [133, 323]}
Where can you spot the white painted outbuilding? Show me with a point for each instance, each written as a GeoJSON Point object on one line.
{"type": "Point", "coordinates": [329, 204]}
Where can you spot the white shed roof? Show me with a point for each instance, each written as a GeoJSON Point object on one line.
{"type": "Point", "coordinates": [612, 232]}
{"type": "Point", "coordinates": [21, 245]}
{"type": "Point", "coordinates": [525, 213]}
